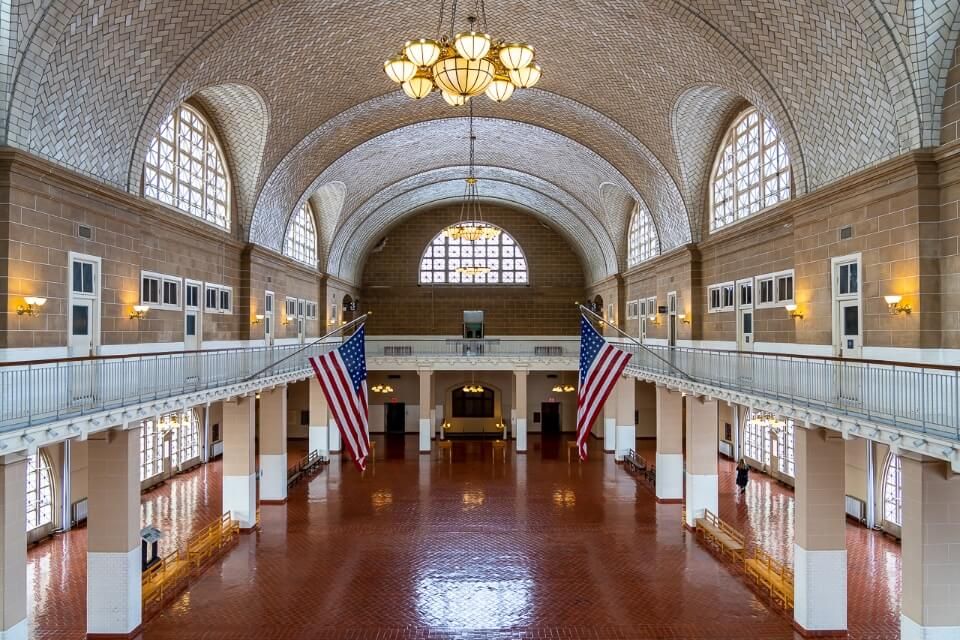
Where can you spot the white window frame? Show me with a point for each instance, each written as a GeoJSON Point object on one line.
{"type": "Point", "coordinates": [633, 310]}
{"type": "Point", "coordinates": [741, 285]}
{"type": "Point", "coordinates": [721, 289]}
{"type": "Point", "coordinates": [220, 289]}
{"type": "Point", "coordinates": [289, 308]}
{"type": "Point", "coordinates": [774, 279]}
{"type": "Point", "coordinates": [162, 280]}
{"type": "Point", "coordinates": [652, 311]}
{"type": "Point", "coordinates": [893, 502]}
{"type": "Point", "coordinates": [200, 299]}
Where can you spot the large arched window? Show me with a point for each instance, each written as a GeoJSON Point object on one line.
{"type": "Point", "coordinates": [301, 241]}
{"type": "Point", "coordinates": [185, 168]}
{"type": "Point", "coordinates": [752, 171]}
{"type": "Point", "coordinates": [642, 237]}
{"type": "Point", "coordinates": [39, 491]}
{"type": "Point", "coordinates": [445, 258]}
{"type": "Point", "coordinates": [893, 491]}
{"type": "Point", "coordinates": [151, 450]}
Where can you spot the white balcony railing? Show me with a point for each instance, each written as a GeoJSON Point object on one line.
{"type": "Point", "coordinates": [408, 347]}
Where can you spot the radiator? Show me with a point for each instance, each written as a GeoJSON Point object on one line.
{"type": "Point", "coordinates": [856, 509]}
{"type": "Point", "coordinates": [78, 511]}
{"type": "Point", "coordinates": [726, 448]}
{"type": "Point", "coordinates": [216, 449]}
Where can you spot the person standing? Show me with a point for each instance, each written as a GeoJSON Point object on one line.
{"type": "Point", "coordinates": [743, 475]}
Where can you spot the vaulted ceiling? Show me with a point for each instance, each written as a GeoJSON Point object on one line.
{"type": "Point", "coordinates": [634, 98]}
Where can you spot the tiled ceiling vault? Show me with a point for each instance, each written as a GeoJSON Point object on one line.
{"type": "Point", "coordinates": [646, 86]}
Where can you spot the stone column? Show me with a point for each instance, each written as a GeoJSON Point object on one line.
{"type": "Point", "coordinates": [273, 445]}
{"type": "Point", "coordinates": [239, 470]}
{"type": "Point", "coordinates": [426, 401]}
{"type": "Point", "coordinates": [820, 551]}
{"type": "Point", "coordinates": [931, 551]}
{"type": "Point", "coordinates": [113, 532]}
{"type": "Point", "coordinates": [702, 483]}
{"type": "Point", "coordinates": [669, 445]}
{"type": "Point", "coordinates": [520, 378]}
{"type": "Point", "coordinates": [13, 546]}
{"type": "Point", "coordinates": [626, 434]}
{"type": "Point", "coordinates": [319, 434]}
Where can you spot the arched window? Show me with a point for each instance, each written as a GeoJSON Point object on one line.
{"type": "Point", "coordinates": [184, 436]}
{"type": "Point", "coordinates": [893, 491]}
{"type": "Point", "coordinates": [301, 241]}
{"type": "Point", "coordinates": [752, 171]}
{"type": "Point", "coordinates": [185, 168]}
{"type": "Point", "coordinates": [39, 491]}
{"type": "Point", "coordinates": [445, 257]}
{"type": "Point", "coordinates": [642, 237]}
{"type": "Point", "coordinates": [151, 450]}
{"type": "Point", "coordinates": [787, 456]}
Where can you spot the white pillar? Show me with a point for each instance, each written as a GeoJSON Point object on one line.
{"type": "Point", "coordinates": [239, 470]}
{"type": "Point", "coordinates": [610, 421]}
{"type": "Point", "coordinates": [13, 546]}
{"type": "Point", "coordinates": [820, 552]}
{"type": "Point", "coordinates": [520, 377]}
{"type": "Point", "coordinates": [426, 401]}
{"type": "Point", "coordinates": [702, 481]}
{"type": "Point", "coordinates": [626, 430]}
{"type": "Point", "coordinates": [113, 532]}
{"type": "Point", "coordinates": [66, 488]}
{"type": "Point", "coordinates": [669, 445]}
{"type": "Point", "coordinates": [319, 431]}
{"type": "Point", "coordinates": [931, 551]}
{"type": "Point", "coordinates": [273, 445]}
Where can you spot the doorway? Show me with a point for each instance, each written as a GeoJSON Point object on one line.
{"type": "Point", "coordinates": [550, 418]}
{"type": "Point", "coordinates": [268, 318]}
{"type": "Point", "coordinates": [84, 317]}
{"type": "Point", "coordinates": [745, 315]}
{"type": "Point", "coordinates": [396, 417]}
{"type": "Point", "coordinates": [847, 305]}
{"type": "Point", "coordinates": [672, 318]}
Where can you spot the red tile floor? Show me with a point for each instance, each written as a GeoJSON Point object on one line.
{"type": "Point", "coordinates": [417, 548]}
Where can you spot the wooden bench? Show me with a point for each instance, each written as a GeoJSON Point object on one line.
{"type": "Point", "coordinates": [572, 449]}
{"type": "Point", "coordinates": [201, 547]}
{"type": "Point", "coordinates": [726, 539]}
{"type": "Point", "coordinates": [163, 578]}
{"type": "Point", "coordinates": [446, 445]}
{"type": "Point", "coordinates": [499, 446]}
{"type": "Point", "coordinates": [774, 577]}
{"type": "Point", "coordinates": [635, 461]}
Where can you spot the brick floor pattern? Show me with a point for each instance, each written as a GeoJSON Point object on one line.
{"type": "Point", "coordinates": [416, 548]}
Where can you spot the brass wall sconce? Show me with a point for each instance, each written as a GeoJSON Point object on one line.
{"type": "Point", "coordinates": [139, 312]}
{"type": "Point", "coordinates": [257, 319]}
{"type": "Point", "coordinates": [683, 318]}
{"type": "Point", "coordinates": [31, 306]}
{"type": "Point", "coordinates": [894, 305]}
{"type": "Point", "coordinates": [792, 311]}
{"type": "Point", "coordinates": [654, 320]}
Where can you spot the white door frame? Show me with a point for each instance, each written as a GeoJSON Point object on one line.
{"type": "Point", "coordinates": [672, 318]}
{"type": "Point", "coordinates": [94, 298]}
{"type": "Point", "coordinates": [196, 311]}
{"type": "Point", "coordinates": [837, 300]}
{"type": "Point", "coordinates": [643, 320]}
{"type": "Point", "coordinates": [742, 343]}
{"type": "Point", "coordinates": [268, 313]}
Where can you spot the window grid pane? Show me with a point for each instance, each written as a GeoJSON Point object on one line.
{"type": "Point", "coordinates": [39, 492]}
{"type": "Point", "coordinates": [753, 171]}
{"type": "Point", "coordinates": [185, 169]}
{"type": "Point", "coordinates": [301, 241]}
{"type": "Point", "coordinates": [892, 491]}
{"type": "Point", "coordinates": [502, 255]}
{"type": "Point", "coordinates": [642, 242]}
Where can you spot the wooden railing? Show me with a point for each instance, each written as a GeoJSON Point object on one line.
{"type": "Point", "coordinates": [305, 466]}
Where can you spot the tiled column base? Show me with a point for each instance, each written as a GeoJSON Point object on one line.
{"type": "Point", "coordinates": [273, 485]}
{"type": "Point", "coordinates": [335, 440]}
{"type": "Point", "coordinates": [703, 492]}
{"type": "Point", "coordinates": [609, 435]}
{"type": "Point", "coordinates": [670, 477]}
{"type": "Point", "coordinates": [425, 427]}
{"type": "Point", "coordinates": [16, 632]}
{"type": "Point", "coordinates": [240, 499]}
{"type": "Point", "coordinates": [521, 435]}
{"type": "Point", "coordinates": [625, 441]}
{"type": "Point", "coordinates": [319, 440]}
{"type": "Point", "coordinates": [820, 590]}
{"type": "Point", "coordinates": [910, 630]}
{"type": "Point", "coordinates": [113, 592]}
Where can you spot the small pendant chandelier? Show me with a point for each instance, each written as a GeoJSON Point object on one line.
{"type": "Point", "coordinates": [473, 387]}
{"type": "Point", "coordinates": [465, 64]}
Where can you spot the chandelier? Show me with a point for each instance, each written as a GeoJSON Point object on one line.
{"type": "Point", "coordinates": [464, 64]}
{"type": "Point", "coordinates": [381, 388]}
{"type": "Point", "coordinates": [563, 387]}
{"type": "Point", "coordinates": [473, 387]}
{"type": "Point", "coordinates": [767, 420]}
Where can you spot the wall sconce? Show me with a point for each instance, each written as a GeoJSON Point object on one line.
{"type": "Point", "coordinates": [654, 320]}
{"type": "Point", "coordinates": [32, 306]}
{"type": "Point", "coordinates": [792, 311]}
{"type": "Point", "coordinates": [257, 319]}
{"type": "Point", "coordinates": [893, 304]}
{"type": "Point", "coordinates": [139, 312]}
{"type": "Point", "coordinates": [682, 317]}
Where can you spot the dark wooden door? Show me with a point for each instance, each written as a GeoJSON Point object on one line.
{"type": "Point", "coordinates": [396, 417]}
{"type": "Point", "coordinates": [550, 416]}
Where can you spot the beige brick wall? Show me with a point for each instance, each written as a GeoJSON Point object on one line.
{"type": "Point", "coordinates": [401, 306]}
{"type": "Point", "coordinates": [950, 115]}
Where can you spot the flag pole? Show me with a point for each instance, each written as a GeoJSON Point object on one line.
{"type": "Point", "coordinates": [336, 330]}
{"type": "Point", "coordinates": [633, 340]}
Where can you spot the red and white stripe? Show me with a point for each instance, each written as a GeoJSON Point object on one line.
{"type": "Point", "coordinates": [596, 387]}
{"type": "Point", "coordinates": [349, 408]}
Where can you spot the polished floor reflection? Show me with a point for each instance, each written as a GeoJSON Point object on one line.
{"type": "Point", "coordinates": [474, 548]}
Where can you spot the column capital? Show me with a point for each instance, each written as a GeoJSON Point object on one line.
{"type": "Point", "coordinates": [427, 372]}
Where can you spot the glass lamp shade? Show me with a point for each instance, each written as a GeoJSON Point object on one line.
{"type": "Point", "coordinates": [472, 45]}
{"type": "Point", "coordinates": [516, 55]}
{"type": "Point", "coordinates": [422, 52]}
{"type": "Point", "coordinates": [454, 100]}
{"type": "Point", "coordinates": [500, 89]}
{"type": "Point", "coordinates": [526, 77]}
{"type": "Point", "coordinates": [462, 77]}
{"type": "Point", "coordinates": [399, 69]}
{"type": "Point", "coordinates": [419, 86]}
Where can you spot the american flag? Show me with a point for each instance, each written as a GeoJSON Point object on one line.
{"type": "Point", "coordinates": [343, 377]}
{"type": "Point", "coordinates": [600, 366]}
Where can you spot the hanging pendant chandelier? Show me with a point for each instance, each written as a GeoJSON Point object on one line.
{"type": "Point", "coordinates": [463, 65]}
{"type": "Point", "coordinates": [473, 387]}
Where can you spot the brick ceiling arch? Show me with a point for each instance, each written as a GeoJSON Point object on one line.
{"type": "Point", "coordinates": [849, 83]}
{"type": "Point", "coordinates": [562, 211]}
